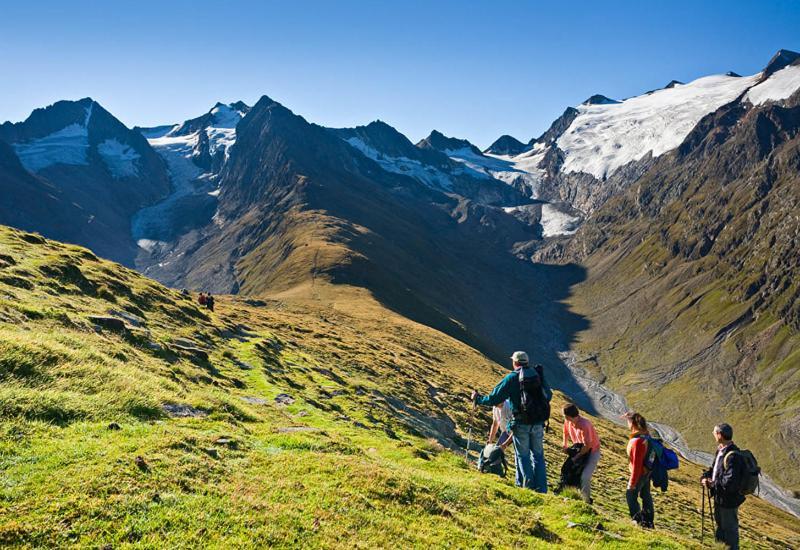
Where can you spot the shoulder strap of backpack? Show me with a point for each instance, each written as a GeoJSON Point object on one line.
{"type": "Point", "coordinates": [727, 458]}
{"type": "Point", "coordinates": [647, 447]}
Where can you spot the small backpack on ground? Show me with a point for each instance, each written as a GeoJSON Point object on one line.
{"type": "Point", "coordinates": [571, 471]}
{"type": "Point", "coordinates": [534, 406]}
{"type": "Point", "coordinates": [750, 480]}
{"type": "Point", "coordinates": [492, 460]}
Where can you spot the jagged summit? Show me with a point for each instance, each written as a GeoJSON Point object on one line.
{"type": "Point", "coordinates": [599, 99]}
{"type": "Point", "coordinates": [733, 73]}
{"type": "Point", "coordinates": [672, 84]}
{"type": "Point", "coordinates": [506, 145]}
{"type": "Point", "coordinates": [46, 120]}
{"type": "Point", "coordinates": [236, 105]}
{"type": "Point", "coordinates": [558, 127]}
{"type": "Point", "coordinates": [381, 137]}
{"type": "Point", "coordinates": [221, 115]}
{"type": "Point", "coordinates": [439, 142]}
{"type": "Point", "coordinates": [781, 59]}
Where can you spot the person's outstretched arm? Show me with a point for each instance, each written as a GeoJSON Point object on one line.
{"type": "Point", "coordinates": [499, 394]}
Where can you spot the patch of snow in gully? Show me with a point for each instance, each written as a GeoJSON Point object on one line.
{"type": "Point", "coordinates": [177, 152]}
{"type": "Point", "coordinates": [555, 222]}
{"type": "Point", "coordinates": [119, 158]}
{"type": "Point", "coordinates": [222, 132]}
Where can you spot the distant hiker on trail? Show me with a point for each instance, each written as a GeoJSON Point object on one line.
{"type": "Point", "coordinates": [639, 481]}
{"type": "Point", "coordinates": [530, 398]}
{"type": "Point", "coordinates": [210, 302]}
{"type": "Point", "coordinates": [726, 479]}
{"type": "Point", "coordinates": [201, 299]}
{"type": "Point", "coordinates": [578, 429]}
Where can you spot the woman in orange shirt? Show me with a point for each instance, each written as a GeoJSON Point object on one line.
{"type": "Point", "coordinates": [580, 430]}
{"type": "Point", "coordinates": [639, 481]}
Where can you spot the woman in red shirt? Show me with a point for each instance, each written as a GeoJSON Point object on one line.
{"type": "Point", "coordinates": [639, 481]}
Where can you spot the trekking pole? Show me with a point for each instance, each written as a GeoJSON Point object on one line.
{"type": "Point", "coordinates": [711, 512]}
{"type": "Point", "coordinates": [469, 430]}
{"type": "Point", "coordinates": [703, 515]}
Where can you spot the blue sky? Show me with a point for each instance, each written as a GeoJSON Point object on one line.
{"type": "Point", "coordinates": [469, 69]}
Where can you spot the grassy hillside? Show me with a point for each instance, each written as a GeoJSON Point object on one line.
{"type": "Point", "coordinates": [325, 421]}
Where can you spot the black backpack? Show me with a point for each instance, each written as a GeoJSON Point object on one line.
{"type": "Point", "coordinates": [571, 471]}
{"type": "Point", "coordinates": [751, 471]}
{"type": "Point", "coordinates": [534, 406]}
{"type": "Point", "coordinates": [492, 460]}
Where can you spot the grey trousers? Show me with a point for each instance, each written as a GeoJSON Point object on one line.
{"type": "Point", "coordinates": [727, 526]}
{"type": "Point", "coordinates": [586, 476]}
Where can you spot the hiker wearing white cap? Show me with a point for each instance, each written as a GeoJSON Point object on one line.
{"type": "Point", "coordinates": [530, 397]}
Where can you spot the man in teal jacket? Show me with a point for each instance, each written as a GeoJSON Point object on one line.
{"type": "Point", "coordinates": [528, 437]}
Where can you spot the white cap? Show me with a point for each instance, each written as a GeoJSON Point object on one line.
{"type": "Point", "coordinates": [519, 357]}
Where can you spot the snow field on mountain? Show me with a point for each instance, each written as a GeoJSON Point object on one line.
{"type": "Point", "coordinates": [177, 152]}
{"type": "Point", "coordinates": [66, 146]}
{"type": "Point", "coordinates": [523, 168]}
{"type": "Point", "coordinates": [402, 165]}
{"type": "Point", "coordinates": [69, 145]}
{"type": "Point", "coordinates": [477, 165]}
{"type": "Point", "coordinates": [779, 86]}
{"type": "Point", "coordinates": [119, 158]}
{"type": "Point", "coordinates": [222, 134]}
{"type": "Point", "coordinates": [604, 137]}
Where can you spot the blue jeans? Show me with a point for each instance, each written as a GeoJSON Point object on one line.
{"type": "Point", "coordinates": [529, 455]}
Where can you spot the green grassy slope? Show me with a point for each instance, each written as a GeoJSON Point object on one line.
{"type": "Point", "coordinates": [366, 453]}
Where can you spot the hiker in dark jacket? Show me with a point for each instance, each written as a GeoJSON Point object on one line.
{"type": "Point", "coordinates": [528, 437]}
{"type": "Point", "coordinates": [724, 480]}
{"type": "Point", "coordinates": [210, 302]}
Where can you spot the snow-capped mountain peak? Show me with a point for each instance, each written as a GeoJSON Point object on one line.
{"type": "Point", "coordinates": [779, 86]}
{"type": "Point", "coordinates": [599, 99]}
{"type": "Point", "coordinates": [604, 137]}
{"type": "Point", "coordinates": [783, 58]}
{"type": "Point", "coordinates": [228, 116]}
{"type": "Point", "coordinates": [205, 140]}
